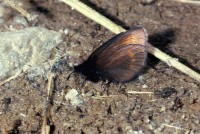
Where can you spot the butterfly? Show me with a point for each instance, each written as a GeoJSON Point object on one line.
{"type": "Point", "coordinates": [120, 59]}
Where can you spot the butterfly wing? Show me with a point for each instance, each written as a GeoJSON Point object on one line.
{"type": "Point", "coordinates": [123, 57]}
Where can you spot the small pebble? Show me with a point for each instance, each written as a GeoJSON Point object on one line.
{"type": "Point", "coordinates": [66, 31]}
{"type": "Point", "coordinates": [144, 86]}
{"type": "Point", "coordinates": [72, 95]}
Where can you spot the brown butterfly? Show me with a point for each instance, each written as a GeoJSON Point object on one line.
{"type": "Point", "coordinates": [120, 59]}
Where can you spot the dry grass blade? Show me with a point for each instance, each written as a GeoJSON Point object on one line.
{"type": "Point", "coordinates": [19, 9]}
{"type": "Point", "coordinates": [97, 17]}
{"type": "Point", "coordinates": [173, 62]}
{"type": "Point", "coordinates": [171, 126]}
{"type": "Point", "coordinates": [136, 92]}
{"type": "Point", "coordinates": [190, 1]}
{"type": "Point", "coordinates": [10, 78]}
{"type": "Point", "coordinates": [104, 97]}
{"type": "Point", "coordinates": [45, 126]}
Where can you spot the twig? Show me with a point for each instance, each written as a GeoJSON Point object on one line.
{"type": "Point", "coordinates": [103, 97]}
{"type": "Point", "coordinates": [190, 1]}
{"type": "Point", "coordinates": [173, 62]}
{"type": "Point", "coordinates": [18, 73]}
{"type": "Point", "coordinates": [136, 92]}
{"type": "Point", "coordinates": [11, 78]}
{"type": "Point", "coordinates": [97, 17]}
{"type": "Point", "coordinates": [49, 85]}
{"type": "Point", "coordinates": [171, 126]}
{"type": "Point", "coordinates": [19, 9]}
{"type": "Point", "coordinates": [45, 125]}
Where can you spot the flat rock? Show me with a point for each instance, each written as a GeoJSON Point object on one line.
{"type": "Point", "coordinates": [27, 48]}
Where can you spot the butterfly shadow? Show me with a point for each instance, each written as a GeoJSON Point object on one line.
{"type": "Point", "coordinates": [162, 41]}
{"type": "Point", "coordinates": [88, 70]}
{"type": "Point", "coordinates": [36, 6]}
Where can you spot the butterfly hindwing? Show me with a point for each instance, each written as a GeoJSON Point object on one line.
{"type": "Point", "coordinates": [119, 59]}
{"type": "Point", "coordinates": [124, 57]}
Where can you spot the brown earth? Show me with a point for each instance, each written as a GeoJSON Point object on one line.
{"type": "Point", "coordinates": [172, 26]}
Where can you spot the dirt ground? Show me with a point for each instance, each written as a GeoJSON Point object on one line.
{"type": "Point", "coordinates": [174, 106]}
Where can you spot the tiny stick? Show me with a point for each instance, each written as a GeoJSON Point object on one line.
{"type": "Point", "coordinates": [19, 9]}
{"type": "Point", "coordinates": [189, 1]}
